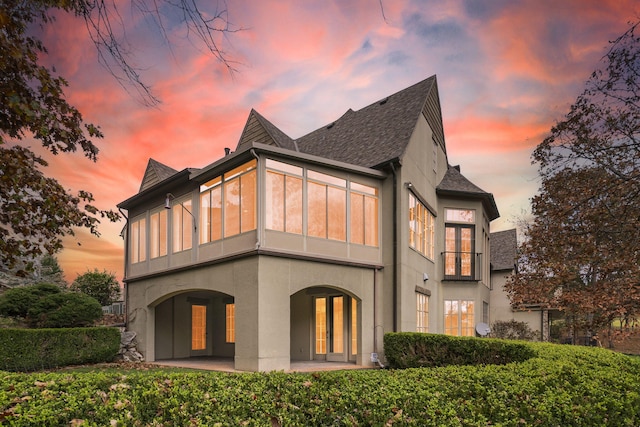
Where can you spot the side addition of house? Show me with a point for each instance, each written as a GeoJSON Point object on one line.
{"type": "Point", "coordinates": [310, 249]}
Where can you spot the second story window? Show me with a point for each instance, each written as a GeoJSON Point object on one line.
{"type": "Point", "coordinates": [421, 227]}
{"type": "Point", "coordinates": [364, 214]}
{"type": "Point", "coordinates": [228, 204]}
{"type": "Point", "coordinates": [459, 255]}
{"type": "Point", "coordinates": [182, 225]}
{"type": "Point", "coordinates": [138, 241]}
{"type": "Point", "coordinates": [326, 206]}
{"type": "Point", "coordinates": [158, 234]}
{"type": "Point", "coordinates": [284, 197]}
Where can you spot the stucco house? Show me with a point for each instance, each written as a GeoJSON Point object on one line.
{"type": "Point", "coordinates": [310, 248]}
{"type": "Point", "coordinates": [504, 252]}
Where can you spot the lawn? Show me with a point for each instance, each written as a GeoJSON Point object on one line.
{"type": "Point", "coordinates": [561, 386]}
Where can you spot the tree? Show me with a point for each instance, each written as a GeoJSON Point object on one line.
{"type": "Point", "coordinates": [35, 210]}
{"type": "Point", "coordinates": [581, 253]}
{"type": "Point", "coordinates": [51, 272]}
{"type": "Point", "coordinates": [102, 286]}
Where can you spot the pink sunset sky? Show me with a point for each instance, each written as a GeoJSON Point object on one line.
{"type": "Point", "coordinates": [507, 71]}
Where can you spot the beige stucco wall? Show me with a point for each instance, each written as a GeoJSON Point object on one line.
{"type": "Point", "coordinates": [501, 307]}
{"type": "Point", "coordinates": [262, 288]}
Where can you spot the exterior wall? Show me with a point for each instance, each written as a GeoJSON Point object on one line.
{"type": "Point", "coordinates": [418, 169]}
{"type": "Point", "coordinates": [270, 303]}
{"type": "Point", "coordinates": [501, 307]}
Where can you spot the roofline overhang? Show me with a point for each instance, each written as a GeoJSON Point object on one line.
{"type": "Point", "coordinates": [159, 188]}
{"type": "Point", "coordinates": [235, 159]}
{"type": "Point", "coordinates": [487, 199]}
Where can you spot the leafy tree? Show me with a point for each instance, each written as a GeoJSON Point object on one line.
{"type": "Point", "coordinates": [102, 286]}
{"type": "Point", "coordinates": [64, 310]}
{"type": "Point", "coordinates": [35, 210]}
{"type": "Point", "coordinates": [51, 272]}
{"type": "Point", "coordinates": [581, 253]}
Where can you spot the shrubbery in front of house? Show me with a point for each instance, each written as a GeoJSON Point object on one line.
{"type": "Point", "coordinates": [37, 349]}
{"type": "Point", "coordinates": [48, 306]}
{"type": "Point", "coordinates": [415, 350]}
{"type": "Point", "coordinates": [560, 386]}
{"type": "Point", "coordinates": [512, 330]}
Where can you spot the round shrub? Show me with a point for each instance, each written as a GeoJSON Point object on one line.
{"type": "Point", "coordinates": [64, 310]}
{"type": "Point", "coordinates": [16, 302]}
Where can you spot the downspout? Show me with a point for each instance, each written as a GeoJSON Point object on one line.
{"type": "Point", "coordinates": [395, 247]}
{"type": "Point", "coordinates": [126, 262]}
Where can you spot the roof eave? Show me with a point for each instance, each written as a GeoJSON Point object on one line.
{"type": "Point", "coordinates": [487, 199]}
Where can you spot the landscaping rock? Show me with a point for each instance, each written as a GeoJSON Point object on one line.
{"type": "Point", "coordinates": [128, 351]}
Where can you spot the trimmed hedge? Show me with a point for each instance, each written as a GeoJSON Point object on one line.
{"type": "Point", "coordinates": [415, 350]}
{"type": "Point", "coordinates": [36, 349]}
{"type": "Point", "coordinates": [563, 386]}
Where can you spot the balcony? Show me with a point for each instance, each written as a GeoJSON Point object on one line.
{"type": "Point", "coordinates": [462, 266]}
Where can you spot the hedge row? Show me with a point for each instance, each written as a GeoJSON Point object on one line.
{"type": "Point", "coordinates": [36, 349]}
{"type": "Point", "coordinates": [414, 350]}
{"type": "Point", "coordinates": [563, 386]}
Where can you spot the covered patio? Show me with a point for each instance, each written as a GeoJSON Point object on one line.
{"type": "Point", "coordinates": [225, 364]}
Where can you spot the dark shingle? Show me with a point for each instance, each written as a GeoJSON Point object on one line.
{"type": "Point", "coordinates": [375, 134]}
{"type": "Point", "coordinates": [155, 173]}
{"type": "Point", "coordinates": [454, 184]}
{"type": "Point", "coordinates": [259, 129]}
{"type": "Point", "coordinates": [504, 246]}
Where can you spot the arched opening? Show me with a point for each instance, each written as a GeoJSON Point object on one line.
{"type": "Point", "coordinates": [325, 325]}
{"type": "Point", "coordinates": [195, 323]}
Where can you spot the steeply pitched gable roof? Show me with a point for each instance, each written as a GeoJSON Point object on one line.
{"type": "Point", "coordinates": [258, 129]}
{"type": "Point", "coordinates": [454, 184]}
{"type": "Point", "coordinates": [379, 132]}
{"type": "Point", "coordinates": [155, 173]}
{"type": "Point", "coordinates": [504, 246]}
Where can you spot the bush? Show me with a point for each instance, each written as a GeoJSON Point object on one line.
{"type": "Point", "coordinates": [35, 349]}
{"type": "Point", "coordinates": [413, 350]}
{"type": "Point", "coordinates": [102, 286]}
{"type": "Point", "coordinates": [512, 330]}
{"type": "Point", "coordinates": [562, 386]}
{"type": "Point", "coordinates": [64, 310]}
{"type": "Point", "coordinates": [16, 302]}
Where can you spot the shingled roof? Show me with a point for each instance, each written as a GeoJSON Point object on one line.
{"type": "Point", "coordinates": [504, 246]}
{"type": "Point", "coordinates": [155, 173]}
{"type": "Point", "coordinates": [367, 137]}
{"type": "Point", "coordinates": [379, 132]}
{"type": "Point", "coordinates": [259, 129]}
{"type": "Point", "coordinates": [454, 184]}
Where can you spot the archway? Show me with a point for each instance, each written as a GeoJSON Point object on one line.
{"type": "Point", "coordinates": [195, 323]}
{"type": "Point", "coordinates": [325, 325]}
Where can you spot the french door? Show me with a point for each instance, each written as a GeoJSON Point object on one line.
{"type": "Point", "coordinates": [335, 328]}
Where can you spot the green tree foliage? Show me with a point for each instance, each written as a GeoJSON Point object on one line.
{"type": "Point", "coordinates": [51, 272]}
{"type": "Point", "coordinates": [64, 310]}
{"type": "Point", "coordinates": [102, 286]}
{"type": "Point", "coordinates": [582, 250]}
{"type": "Point", "coordinates": [16, 302]}
{"type": "Point", "coordinates": [35, 210]}
{"type": "Point", "coordinates": [46, 305]}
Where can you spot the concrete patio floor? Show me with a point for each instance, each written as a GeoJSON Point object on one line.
{"type": "Point", "coordinates": [226, 365]}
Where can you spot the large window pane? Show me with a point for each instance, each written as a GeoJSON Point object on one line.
{"type": "Point", "coordinates": [337, 211]}
{"type": "Point", "coordinates": [356, 234]}
{"type": "Point", "coordinates": [158, 234]}
{"type": "Point", "coordinates": [205, 217]}
{"type": "Point", "coordinates": [216, 214]}
{"type": "Point", "coordinates": [232, 207]}
{"type": "Point", "coordinates": [293, 205]}
{"type": "Point", "coordinates": [337, 325]}
{"type": "Point", "coordinates": [450, 251]}
{"type": "Point", "coordinates": [371, 221]}
{"type": "Point", "coordinates": [321, 325]}
{"type": "Point", "coordinates": [317, 210]}
{"type": "Point", "coordinates": [275, 201]}
{"type": "Point", "coordinates": [248, 201]}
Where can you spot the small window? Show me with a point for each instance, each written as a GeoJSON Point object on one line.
{"type": "Point", "coordinates": [422, 312]}
{"type": "Point", "coordinates": [460, 215]}
{"type": "Point", "coordinates": [230, 328]}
